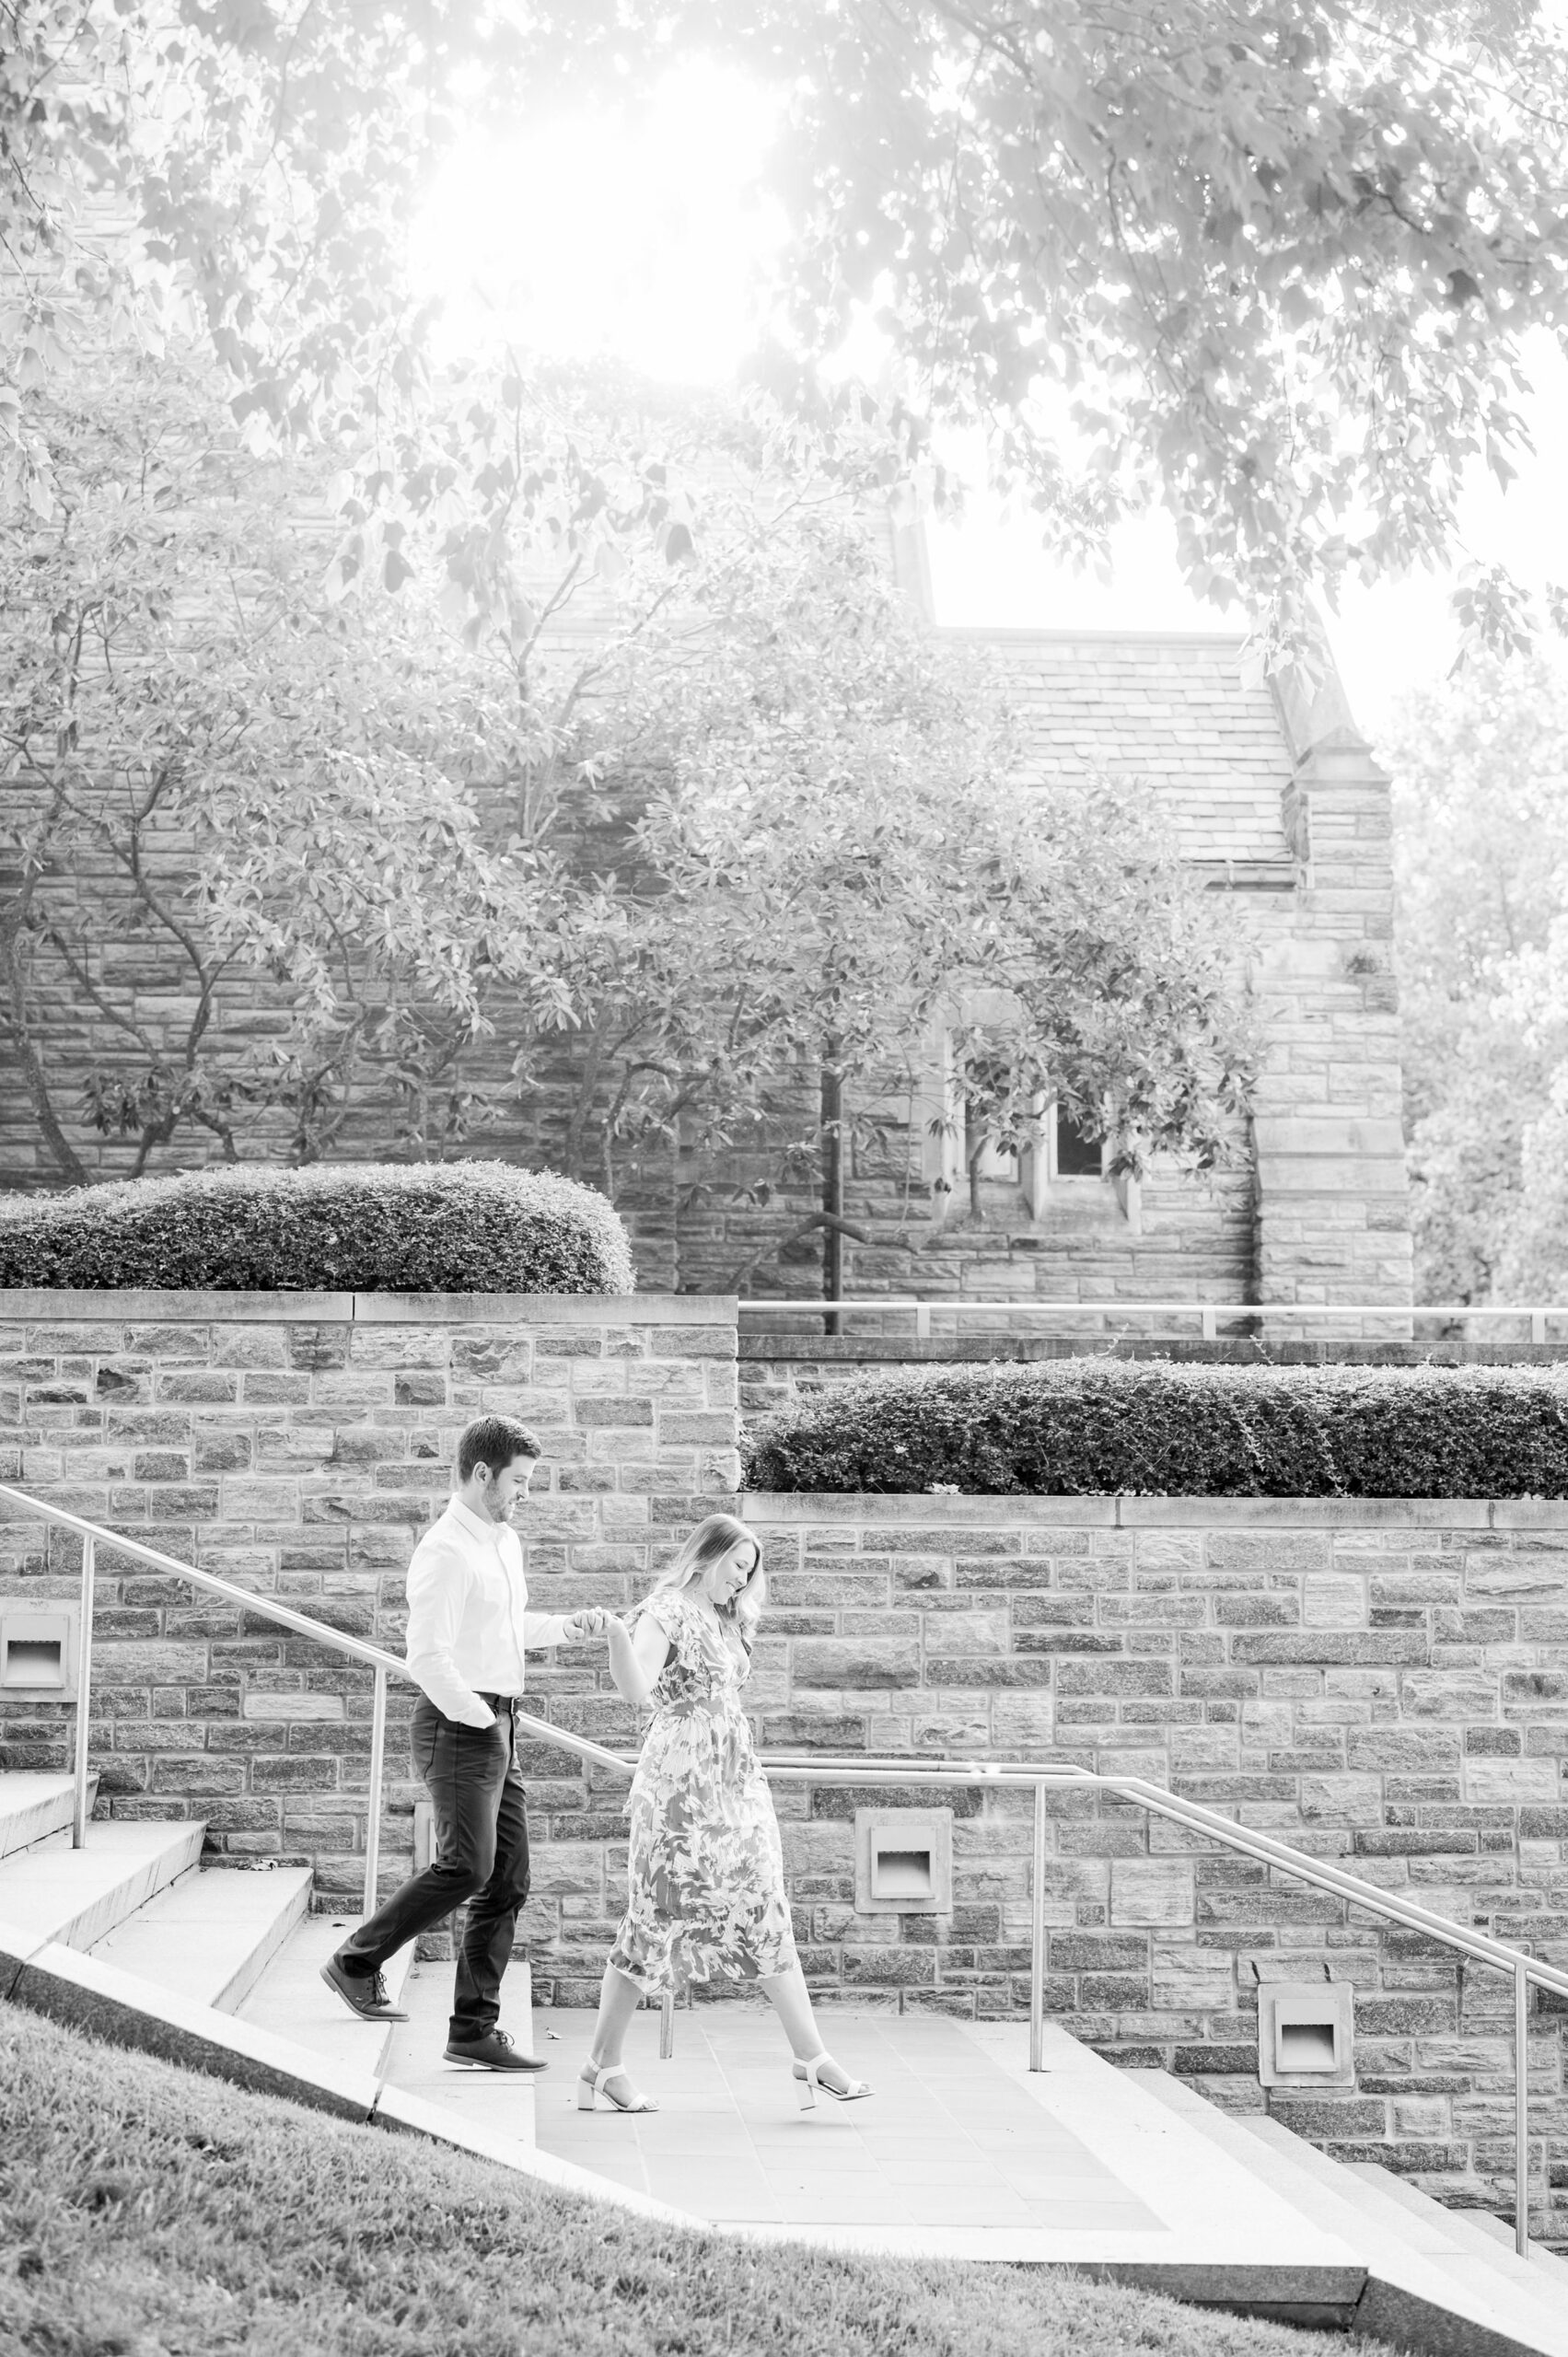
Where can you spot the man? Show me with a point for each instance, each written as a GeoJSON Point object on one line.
{"type": "Point", "coordinates": [468, 1627]}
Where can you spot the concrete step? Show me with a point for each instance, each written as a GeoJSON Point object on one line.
{"type": "Point", "coordinates": [1497, 2231]}
{"type": "Point", "coordinates": [119, 2008]}
{"type": "Point", "coordinates": [32, 1807]}
{"type": "Point", "coordinates": [1466, 2249]}
{"type": "Point", "coordinates": [1470, 2246]}
{"type": "Point", "coordinates": [1432, 2286]}
{"type": "Point", "coordinates": [500, 2105]}
{"type": "Point", "coordinates": [53, 1893]}
{"type": "Point", "coordinates": [211, 1936]}
{"type": "Point", "coordinates": [291, 2000]}
{"type": "Point", "coordinates": [1543, 2274]}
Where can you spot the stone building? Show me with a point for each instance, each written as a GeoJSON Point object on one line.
{"type": "Point", "coordinates": [1274, 800]}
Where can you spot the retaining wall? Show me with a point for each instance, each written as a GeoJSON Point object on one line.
{"type": "Point", "coordinates": [1386, 1683]}
{"type": "Point", "coordinates": [296, 1445]}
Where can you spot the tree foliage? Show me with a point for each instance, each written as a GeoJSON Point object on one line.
{"type": "Point", "coordinates": [214, 778]}
{"type": "Point", "coordinates": [506, 700]}
{"type": "Point", "coordinates": [1268, 264]}
{"type": "Point", "coordinates": [841, 856]}
{"type": "Point", "coordinates": [244, 172]}
{"type": "Point", "coordinates": [690, 805]}
{"type": "Point", "coordinates": [1481, 880]}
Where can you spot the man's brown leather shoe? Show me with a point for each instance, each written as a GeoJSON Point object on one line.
{"type": "Point", "coordinates": [363, 1994]}
{"type": "Point", "coordinates": [494, 2051]}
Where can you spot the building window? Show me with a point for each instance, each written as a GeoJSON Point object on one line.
{"type": "Point", "coordinates": [1078, 1155]}
{"type": "Point", "coordinates": [972, 1177]}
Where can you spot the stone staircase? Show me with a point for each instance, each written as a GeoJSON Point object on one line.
{"type": "Point", "coordinates": [964, 2153]}
{"type": "Point", "coordinates": [1438, 2278]}
{"type": "Point", "coordinates": [220, 1972]}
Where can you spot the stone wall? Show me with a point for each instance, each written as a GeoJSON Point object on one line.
{"type": "Point", "coordinates": [1383, 1683]}
{"type": "Point", "coordinates": [296, 1445]}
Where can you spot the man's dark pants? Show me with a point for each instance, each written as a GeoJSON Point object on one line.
{"type": "Point", "coordinates": [481, 1854]}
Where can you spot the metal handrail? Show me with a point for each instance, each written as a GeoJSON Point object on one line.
{"type": "Point", "coordinates": [1207, 1312]}
{"type": "Point", "coordinates": [1159, 1802]}
{"type": "Point", "coordinates": [1042, 1777]}
{"type": "Point", "coordinates": [355, 1648]}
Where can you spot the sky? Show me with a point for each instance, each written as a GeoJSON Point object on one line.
{"type": "Point", "coordinates": [636, 238]}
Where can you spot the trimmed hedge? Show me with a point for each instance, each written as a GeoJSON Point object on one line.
{"type": "Point", "coordinates": [368, 1228]}
{"type": "Point", "coordinates": [1102, 1427]}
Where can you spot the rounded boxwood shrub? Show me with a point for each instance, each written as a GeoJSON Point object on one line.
{"type": "Point", "coordinates": [1101, 1427]}
{"type": "Point", "coordinates": [345, 1227]}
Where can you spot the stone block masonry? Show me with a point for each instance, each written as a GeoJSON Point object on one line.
{"type": "Point", "coordinates": [1386, 1683]}
{"type": "Point", "coordinates": [1383, 1683]}
{"type": "Point", "coordinates": [296, 1445]}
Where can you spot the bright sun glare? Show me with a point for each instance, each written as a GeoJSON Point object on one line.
{"type": "Point", "coordinates": [642, 234]}
{"type": "Point", "coordinates": [631, 235]}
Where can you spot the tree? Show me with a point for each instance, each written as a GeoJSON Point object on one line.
{"type": "Point", "coordinates": [1482, 882]}
{"type": "Point", "coordinates": [1268, 264]}
{"type": "Point", "coordinates": [836, 856]}
{"type": "Point", "coordinates": [414, 865]}
{"type": "Point", "coordinates": [316, 824]}
{"type": "Point", "coordinates": [242, 866]}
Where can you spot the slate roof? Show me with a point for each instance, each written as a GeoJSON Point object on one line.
{"type": "Point", "coordinates": [1173, 709]}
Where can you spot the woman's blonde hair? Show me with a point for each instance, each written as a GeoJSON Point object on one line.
{"type": "Point", "coordinates": [714, 1536]}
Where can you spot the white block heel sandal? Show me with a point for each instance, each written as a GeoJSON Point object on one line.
{"type": "Point", "coordinates": [809, 2084]}
{"type": "Point", "coordinates": [591, 2080]}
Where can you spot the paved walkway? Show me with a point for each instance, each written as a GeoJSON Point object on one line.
{"type": "Point", "coordinates": [949, 2139]}
{"type": "Point", "coordinates": [961, 2151]}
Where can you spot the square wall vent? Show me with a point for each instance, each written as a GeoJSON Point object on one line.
{"type": "Point", "coordinates": [903, 1861]}
{"type": "Point", "coordinates": [1306, 2034]}
{"type": "Point", "coordinates": [39, 1651]}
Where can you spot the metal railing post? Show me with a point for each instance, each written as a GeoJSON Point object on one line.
{"type": "Point", "coordinates": [372, 1821]}
{"type": "Point", "coordinates": [84, 1697]}
{"type": "Point", "coordinates": [1521, 2112]}
{"type": "Point", "coordinates": [1037, 1939]}
{"type": "Point", "coordinates": [667, 2025]}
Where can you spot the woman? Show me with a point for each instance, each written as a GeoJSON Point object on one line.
{"type": "Point", "coordinates": [706, 1876]}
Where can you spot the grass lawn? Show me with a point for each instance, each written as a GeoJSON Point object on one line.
{"type": "Point", "coordinates": [146, 2211]}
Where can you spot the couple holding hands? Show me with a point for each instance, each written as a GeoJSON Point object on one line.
{"type": "Point", "coordinates": [705, 1869]}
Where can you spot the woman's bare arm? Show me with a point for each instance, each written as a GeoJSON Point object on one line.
{"type": "Point", "coordinates": [635, 1661]}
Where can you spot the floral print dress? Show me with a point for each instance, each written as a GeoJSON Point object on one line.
{"type": "Point", "coordinates": [705, 1885]}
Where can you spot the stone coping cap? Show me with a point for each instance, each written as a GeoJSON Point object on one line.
{"type": "Point", "coordinates": [923, 1510]}
{"type": "Point", "coordinates": [1024, 634]}
{"type": "Point", "coordinates": [41, 1304]}
{"type": "Point", "coordinates": [793, 1346]}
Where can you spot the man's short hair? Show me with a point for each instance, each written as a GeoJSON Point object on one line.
{"type": "Point", "coordinates": [494, 1441]}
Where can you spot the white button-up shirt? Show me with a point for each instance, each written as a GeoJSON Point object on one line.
{"type": "Point", "coordinates": [468, 1619]}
